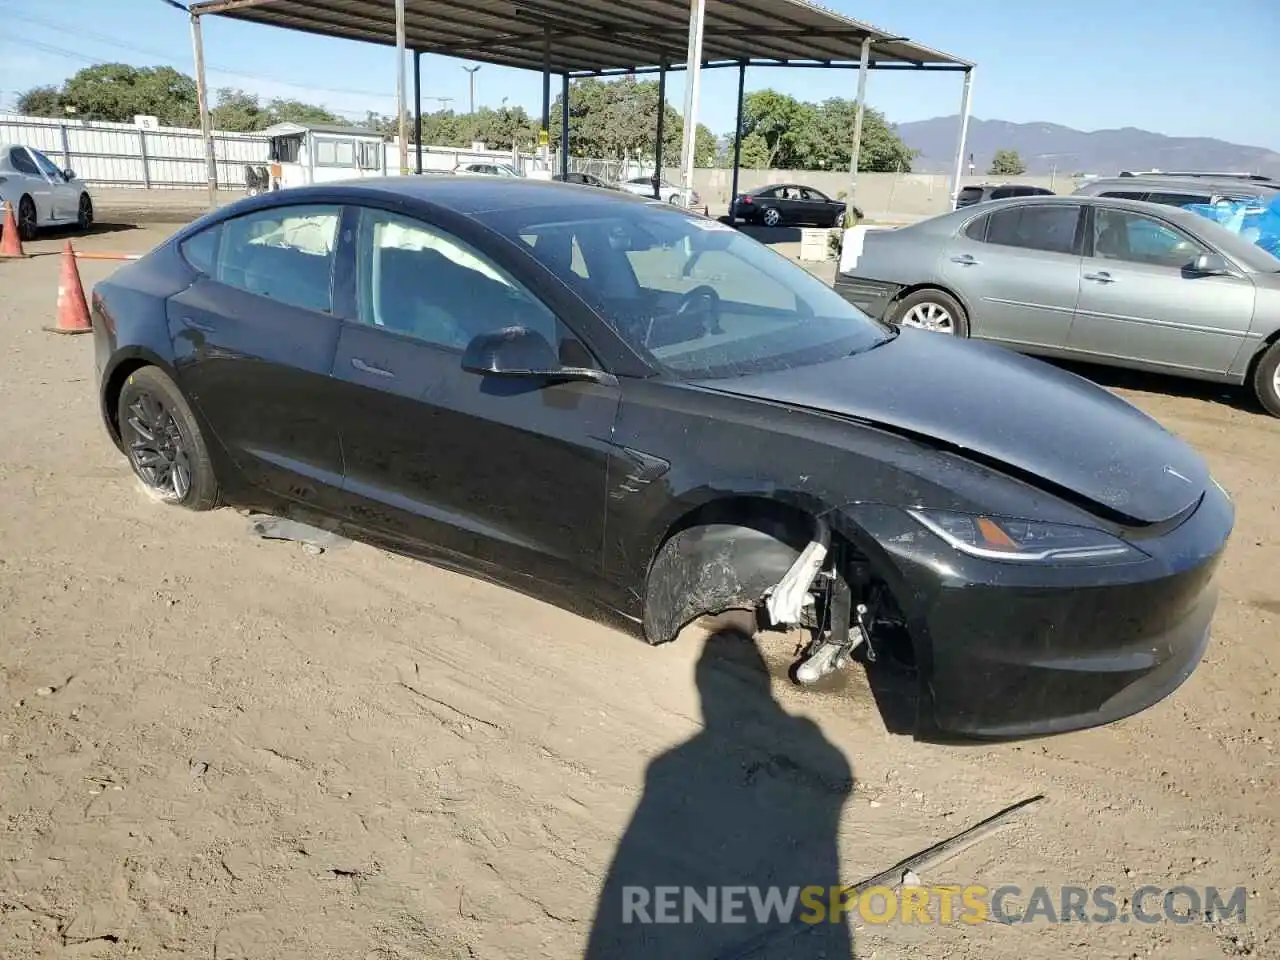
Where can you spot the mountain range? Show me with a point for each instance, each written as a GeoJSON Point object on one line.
{"type": "Point", "coordinates": [1049, 147]}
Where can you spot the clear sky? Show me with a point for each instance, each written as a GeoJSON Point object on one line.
{"type": "Point", "coordinates": [1181, 67]}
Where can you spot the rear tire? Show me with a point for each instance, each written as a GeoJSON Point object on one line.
{"type": "Point", "coordinates": [771, 217]}
{"type": "Point", "coordinates": [163, 441]}
{"type": "Point", "coordinates": [84, 213]}
{"type": "Point", "coordinates": [1266, 380]}
{"type": "Point", "coordinates": [28, 222]}
{"type": "Point", "coordinates": [933, 310]}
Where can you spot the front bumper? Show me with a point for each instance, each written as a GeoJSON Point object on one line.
{"type": "Point", "coordinates": [1007, 651]}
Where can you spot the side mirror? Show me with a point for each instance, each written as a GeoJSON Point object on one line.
{"type": "Point", "coordinates": [68, 175]}
{"type": "Point", "coordinates": [1210, 265]}
{"type": "Point", "coordinates": [521, 352]}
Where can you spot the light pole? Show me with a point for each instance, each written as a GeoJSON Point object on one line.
{"type": "Point", "coordinates": [472, 78]}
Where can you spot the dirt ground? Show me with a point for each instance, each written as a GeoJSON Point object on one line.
{"type": "Point", "coordinates": [214, 745]}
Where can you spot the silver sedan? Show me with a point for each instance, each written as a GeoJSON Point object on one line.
{"type": "Point", "coordinates": [1108, 281]}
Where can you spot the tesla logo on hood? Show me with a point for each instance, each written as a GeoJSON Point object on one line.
{"type": "Point", "coordinates": [1174, 473]}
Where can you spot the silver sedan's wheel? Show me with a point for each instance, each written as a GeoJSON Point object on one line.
{"type": "Point", "coordinates": [929, 316]}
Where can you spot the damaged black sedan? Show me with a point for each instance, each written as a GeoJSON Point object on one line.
{"type": "Point", "coordinates": [645, 416]}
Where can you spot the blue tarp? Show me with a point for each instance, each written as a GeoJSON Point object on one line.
{"type": "Point", "coordinates": [1256, 219]}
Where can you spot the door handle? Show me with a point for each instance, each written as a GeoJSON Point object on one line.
{"type": "Point", "coordinates": [370, 368]}
{"type": "Point", "coordinates": [206, 325]}
{"type": "Point", "coordinates": [967, 259]}
{"type": "Point", "coordinates": [1100, 277]}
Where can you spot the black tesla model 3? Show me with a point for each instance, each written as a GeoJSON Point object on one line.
{"type": "Point", "coordinates": [644, 416]}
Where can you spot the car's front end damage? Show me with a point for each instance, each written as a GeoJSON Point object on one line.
{"type": "Point", "coordinates": [1004, 647]}
{"type": "Point", "coordinates": [1044, 564]}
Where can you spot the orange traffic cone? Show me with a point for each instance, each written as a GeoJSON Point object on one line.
{"type": "Point", "coordinates": [73, 309]}
{"type": "Point", "coordinates": [10, 241]}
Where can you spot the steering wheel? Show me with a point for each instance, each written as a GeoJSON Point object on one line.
{"type": "Point", "coordinates": [702, 299]}
{"type": "Point", "coordinates": [696, 315]}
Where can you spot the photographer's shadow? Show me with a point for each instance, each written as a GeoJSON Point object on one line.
{"type": "Point", "coordinates": [752, 801]}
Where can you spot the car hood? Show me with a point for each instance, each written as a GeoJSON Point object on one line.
{"type": "Point", "coordinates": [1000, 406]}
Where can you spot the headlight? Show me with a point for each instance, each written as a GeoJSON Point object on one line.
{"type": "Point", "coordinates": [1002, 538]}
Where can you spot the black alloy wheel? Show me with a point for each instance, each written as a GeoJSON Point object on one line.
{"type": "Point", "coordinates": [157, 447]}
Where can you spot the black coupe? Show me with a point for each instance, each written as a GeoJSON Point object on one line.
{"type": "Point", "coordinates": [644, 415]}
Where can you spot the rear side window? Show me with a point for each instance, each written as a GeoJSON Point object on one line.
{"type": "Point", "coordinates": [1177, 199]}
{"type": "Point", "coordinates": [22, 162]}
{"type": "Point", "coordinates": [284, 253]}
{"type": "Point", "coordinates": [1003, 193]}
{"type": "Point", "coordinates": [201, 251]}
{"type": "Point", "coordinates": [977, 229]}
{"type": "Point", "coordinates": [1048, 228]}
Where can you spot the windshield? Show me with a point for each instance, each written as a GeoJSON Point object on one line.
{"type": "Point", "coordinates": [1245, 246]}
{"type": "Point", "coordinates": [693, 296]}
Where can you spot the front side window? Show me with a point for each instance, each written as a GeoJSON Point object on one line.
{"type": "Point", "coordinates": [1048, 228]}
{"type": "Point", "coordinates": [1121, 235]}
{"type": "Point", "coordinates": [48, 167]}
{"type": "Point", "coordinates": [814, 195]}
{"type": "Point", "coordinates": [694, 297]}
{"type": "Point", "coordinates": [415, 279]}
{"type": "Point", "coordinates": [284, 253]}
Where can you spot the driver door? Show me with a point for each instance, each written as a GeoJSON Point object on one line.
{"type": "Point", "coordinates": [507, 473]}
{"type": "Point", "coordinates": [1139, 299]}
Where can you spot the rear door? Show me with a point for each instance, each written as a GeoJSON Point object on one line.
{"type": "Point", "coordinates": [1018, 270]}
{"type": "Point", "coordinates": [34, 183]}
{"type": "Point", "coordinates": [66, 196]}
{"type": "Point", "coordinates": [1139, 299]}
{"type": "Point", "coordinates": [254, 338]}
{"type": "Point", "coordinates": [507, 473]}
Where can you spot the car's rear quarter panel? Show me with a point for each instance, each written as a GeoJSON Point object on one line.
{"type": "Point", "coordinates": [890, 261]}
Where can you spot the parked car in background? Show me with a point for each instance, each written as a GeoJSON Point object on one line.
{"type": "Point", "coordinates": [789, 204]}
{"type": "Point", "coordinates": [503, 373]}
{"type": "Point", "coordinates": [1181, 189]}
{"type": "Point", "coordinates": [1109, 281]}
{"type": "Point", "coordinates": [585, 179]}
{"type": "Point", "coordinates": [489, 168]}
{"type": "Point", "coordinates": [40, 193]}
{"type": "Point", "coordinates": [667, 191]}
{"type": "Point", "coordinates": [982, 192]}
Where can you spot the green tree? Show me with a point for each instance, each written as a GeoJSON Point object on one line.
{"type": "Point", "coordinates": [119, 91]}
{"type": "Point", "coordinates": [615, 119]}
{"type": "Point", "coordinates": [239, 112]}
{"type": "Point", "coordinates": [1007, 163]}
{"type": "Point", "coordinates": [755, 151]}
{"type": "Point", "coordinates": [41, 102]}
{"type": "Point", "coordinates": [786, 133]}
{"type": "Point", "coordinates": [295, 111]}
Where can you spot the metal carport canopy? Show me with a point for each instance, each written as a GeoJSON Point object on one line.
{"type": "Point", "coordinates": [598, 36]}
{"type": "Point", "coordinates": [578, 38]}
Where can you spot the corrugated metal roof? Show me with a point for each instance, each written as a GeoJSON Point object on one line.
{"type": "Point", "coordinates": [598, 36]}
